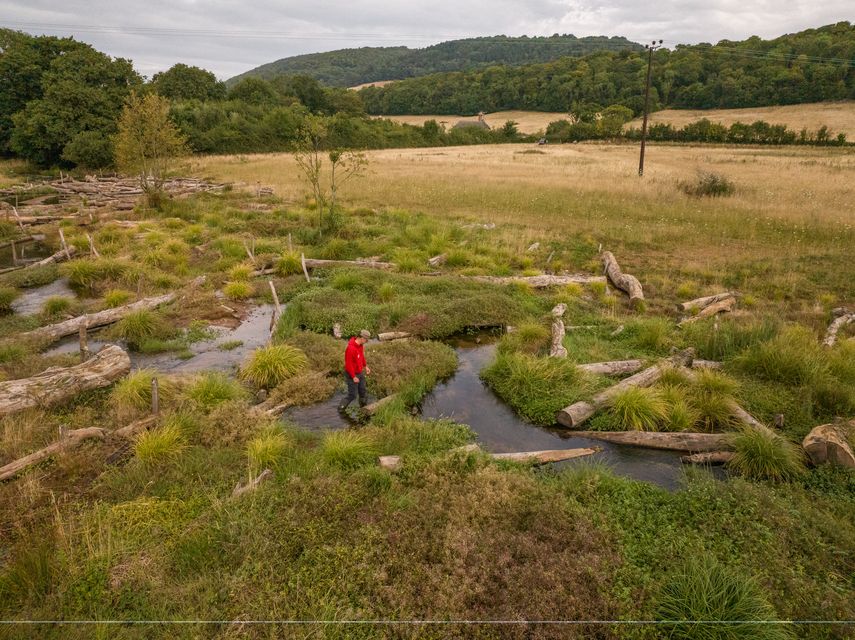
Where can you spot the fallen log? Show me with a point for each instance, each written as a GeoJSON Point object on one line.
{"type": "Point", "coordinates": [698, 304]}
{"type": "Point", "coordinates": [374, 407]}
{"type": "Point", "coordinates": [612, 368]}
{"type": "Point", "coordinates": [53, 332]}
{"type": "Point", "coordinates": [722, 306]}
{"type": "Point", "coordinates": [59, 256]}
{"type": "Point", "coordinates": [71, 440]}
{"type": "Point", "coordinates": [836, 325]}
{"type": "Point", "coordinates": [706, 364]}
{"type": "Point", "coordinates": [135, 428]}
{"type": "Point", "coordinates": [57, 384]}
{"type": "Point", "coordinates": [735, 410]}
{"type": "Point", "coordinates": [623, 281]}
{"type": "Point", "coordinates": [241, 489]}
{"type": "Point", "coordinates": [579, 412]}
{"type": "Point", "coordinates": [712, 457]}
{"type": "Point", "coordinates": [39, 237]}
{"type": "Point", "coordinates": [557, 349]}
{"type": "Point", "coordinates": [539, 282]}
{"type": "Point", "coordinates": [393, 335]}
{"type": "Point", "coordinates": [437, 261]}
{"type": "Point", "coordinates": [368, 264]}
{"type": "Point", "coordinates": [678, 441]}
{"type": "Point", "coordinates": [393, 463]}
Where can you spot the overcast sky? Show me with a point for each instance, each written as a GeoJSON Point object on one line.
{"type": "Point", "coordinates": [229, 37]}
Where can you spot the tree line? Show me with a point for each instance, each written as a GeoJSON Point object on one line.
{"type": "Point", "coordinates": [809, 66]}
{"type": "Point", "coordinates": [349, 67]}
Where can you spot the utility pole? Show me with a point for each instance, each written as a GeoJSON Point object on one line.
{"type": "Point", "coordinates": [653, 46]}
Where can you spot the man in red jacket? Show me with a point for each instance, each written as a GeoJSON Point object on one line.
{"type": "Point", "coordinates": [355, 370]}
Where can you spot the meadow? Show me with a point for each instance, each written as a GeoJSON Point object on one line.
{"type": "Point", "coordinates": [150, 529]}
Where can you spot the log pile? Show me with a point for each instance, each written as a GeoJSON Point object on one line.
{"type": "Point", "coordinates": [109, 193]}
{"type": "Point", "coordinates": [708, 306]}
{"type": "Point", "coordinates": [58, 384]}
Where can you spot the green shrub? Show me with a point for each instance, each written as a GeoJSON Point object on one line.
{"type": "Point", "coordinates": [87, 273]}
{"type": "Point", "coordinates": [7, 297]}
{"type": "Point", "coordinates": [348, 449]}
{"type": "Point", "coordinates": [704, 590]}
{"type": "Point", "coordinates": [160, 444]}
{"type": "Point", "coordinates": [56, 306]}
{"type": "Point", "coordinates": [116, 298]}
{"type": "Point", "coordinates": [268, 366]}
{"type": "Point", "coordinates": [764, 455]}
{"type": "Point", "coordinates": [708, 184]}
{"type": "Point", "coordinates": [212, 388]}
{"type": "Point", "coordinates": [238, 290]}
{"type": "Point", "coordinates": [638, 409]}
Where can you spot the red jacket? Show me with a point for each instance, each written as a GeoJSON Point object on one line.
{"type": "Point", "coordinates": [354, 358]}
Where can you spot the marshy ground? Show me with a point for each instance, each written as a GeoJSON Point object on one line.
{"type": "Point", "coordinates": [148, 529]}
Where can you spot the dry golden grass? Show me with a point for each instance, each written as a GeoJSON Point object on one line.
{"type": "Point", "coordinates": [376, 83]}
{"type": "Point", "coordinates": [792, 213]}
{"type": "Point", "coordinates": [527, 121]}
{"type": "Point", "coordinates": [838, 116]}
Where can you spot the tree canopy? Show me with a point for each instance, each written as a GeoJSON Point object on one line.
{"type": "Point", "coordinates": [182, 82]}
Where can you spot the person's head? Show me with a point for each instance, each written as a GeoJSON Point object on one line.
{"type": "Point", "coordinates": [363, 336]}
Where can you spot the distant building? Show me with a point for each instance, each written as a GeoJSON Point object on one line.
{"type": "Point", "coordinates": [480, 123]}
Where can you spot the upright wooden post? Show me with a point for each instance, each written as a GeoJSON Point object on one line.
{"type": "Point", "coordinates": [14, 254]}
{"type": "Point", "coordinates": [17, 217]}
{"type": "Point", "coordinates": [277, 309]}
{"type": "Point", "coordinates": [155, 397]}
{"type": "Point", "coordinates": [305, 270]}
{"type": "Point", "coordinates": [92, 250]}
{"type": "Point", "coordinates": [84, 342]}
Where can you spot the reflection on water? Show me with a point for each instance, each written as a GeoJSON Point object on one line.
{"type": "Point", "coordinates": [25, 253]}
{"type": "Point", "coordinates": [466, 399]}
{"type": "Point", "coordinates": [31, 301]}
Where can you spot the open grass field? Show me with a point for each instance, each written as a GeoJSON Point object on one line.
{"type": "Point", "coordinates": [149, 526]}
{"type": "Point", "coordinates": [527, 121]}
{"type": "Point", "coordinates": [797, 203]}
{"type": "Point", "coordinates": [839, 117]}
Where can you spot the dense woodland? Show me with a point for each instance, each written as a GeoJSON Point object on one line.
{"type": "Point", "coordinates": [60, 98]}
{"type": "Point", "coordinates": [349, 67]}
{"type": "Point", "coordinates": [809, 66]}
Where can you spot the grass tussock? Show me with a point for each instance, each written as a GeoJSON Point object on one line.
{"type": "Point", "coordinates": [536, 388]}
{"type": "Point", "coordinates": [7, 297]}
{"type": "Point", "coordinates": [395, 364]}
{"type": "Point", "coordinates": [213, 388]}
{"type": "Point", "coordinates": [269, 366]}
{"type": "Point", "coordinates": [160, 444]}
{"type": "Point", "coordinates": [117, 298]}
{"type": "Point", "coordinates": [638, 409]}
{"type": "Point", "coordinates": [765, 455]}
{"type": "Point", "coordinates": [238, 290]}
{"type": "Point", "coordinates": [304, 389]}
{"type": "Point", "coordinates": [267, 449]}
{"type": "Point", "coordinates": [528, 337]}
{"type": "Point", "coordinates": [56, 307]}
{"type": "Point", "coordinates": [348, 449]}
{"type": "Point", "coordinates": [704, 590]}
{"type": "Point", "coordinates": [141, 326]}
{"type": "Point", "coordinates": [131, 396]}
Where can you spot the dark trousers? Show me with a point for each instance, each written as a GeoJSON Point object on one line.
{"type": "Point", "coordinates": [354, 388]}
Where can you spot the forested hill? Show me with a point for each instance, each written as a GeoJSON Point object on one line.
{"type": "Point", "coordinates": [349, 67]}
{"type": "Point", "coordinates": [810, 66]}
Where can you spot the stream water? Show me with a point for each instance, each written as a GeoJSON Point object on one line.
{"type": "Point", "coordinates": [26, 252]}
{"type": "Point", "coordinates": [31, 301]}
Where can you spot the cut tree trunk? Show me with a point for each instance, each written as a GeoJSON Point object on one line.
{"type": "Point", "coordinates": [679, 441]}
{"type": "Point", "coordinates": [71, 440]}
{"type": "Point", "coordinates": [538, 282]}
{"type": "Point", "coordinates": [579, 412]}
{"type": "Point", "coordinates": [712, 457]}
{"type": "Point", "coordinates": [623, 281]}
{"type": "Point", "coordinates": [613, 368]}
{"type": "Point", "coordinates": [829, 443]}
{"type": "Point", "coordinates": [557, 349]}
{"type": "Point", "coordinates": [706, 364]}
{"type": "Point", "coordinates": [835, 327]}
{"type": "Point", "coordinates": [53, 332]}
{"type": "Point", "coordinates": [57, 384]}
{"type": "Point", "coordinates": [722, 306]}
{"type": "Point", "coordinates": [437, 261]}
{"type": "Point", "coordinates": [698, 304]}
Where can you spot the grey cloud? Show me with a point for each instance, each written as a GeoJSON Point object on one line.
{"type": "Point", "coordinates": [156, 35]}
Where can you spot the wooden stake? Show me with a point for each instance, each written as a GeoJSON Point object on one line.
{"type": "Point", "coordinates": [305, 270]}
{"type": "Point", "coordinates": [92, 250]}
{"type": "Point", "coordinates": [17, 217]}
{"type": "Point", "coordinates": [277, 309]}
{"type": "Point", "coordinates": [64, 245]}
{"type": "Point", "coordinates": [290, 248]}
{"type": "Point", "coordinates": [155, 397]}
{"type": "Point", "coordinates": [14, 254]}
